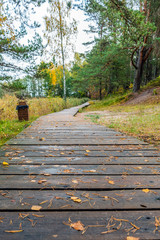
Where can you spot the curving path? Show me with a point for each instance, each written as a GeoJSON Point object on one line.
{"type": "Point", "coordinates": [66, 175]}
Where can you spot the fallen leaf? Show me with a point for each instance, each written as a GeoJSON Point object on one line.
{"type": "Point", "coordinates": [55, 236]}
{"type": "Point", "coordinates": [77, 226]}
{"type": "Point", "coordinates": [67, 171]}
{"type": "Point", "coordinates": [36, 208]}
{"type": "Point", "coordinates": [76, 199]}
{"type": "Point", "coordinates": [132, 238]}
{"type": "Point", "coordinates": [74, 181]}
{"type": "Point", "coordinates": [88, 151]}
{"type": "Point", "coordinates": [5, 164]}
{"type": "Point", "coordinates": [42, 181]}
{"type": "Point", "coordinates": [14, 231]}
{"type": "Point", "coordinates": [90, 171]}
{"type": "Point", "coordinates": [146, 190]}
{"type": "Point", "coordinates": [111, 182]}
{"type": "Point", "coordinates": [39, 216]}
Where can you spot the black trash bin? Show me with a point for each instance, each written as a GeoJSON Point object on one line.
{"type": "Point", "coordinates": [22, 108]}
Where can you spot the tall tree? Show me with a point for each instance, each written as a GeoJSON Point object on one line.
{"type": "Point", "coordinates": [59, 31]}
{"type": "Point", "coordinates": [14, 23]}
{"type": "Point", "coordinates": [131, 27]}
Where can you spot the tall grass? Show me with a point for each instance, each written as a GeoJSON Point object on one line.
{"type": "Point", "coordinates": [9, 124]}
{"type": "Point", "coordinates": [37, 106]}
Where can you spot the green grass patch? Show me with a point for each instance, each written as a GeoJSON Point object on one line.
{"type": "Point", "coordinates": [9, 129]}
{"type": "Point", "coordinates": [93, 117]}
{"type": "Point", "coordinates": [109, 101]}
{"type": "Point", "coordinates": [153, 83]}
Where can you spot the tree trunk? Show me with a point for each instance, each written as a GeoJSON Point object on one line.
{"type": "Point", "coordinates": [139, 71]}
{"type": "Point", "coordinates": [100, 89]}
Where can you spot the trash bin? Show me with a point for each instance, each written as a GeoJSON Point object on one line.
{"type": "Point", "coordinates": [22, 108]}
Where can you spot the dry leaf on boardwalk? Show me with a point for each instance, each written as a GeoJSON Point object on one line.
{"type": "Point", "coordinates": [77, 226]}
{"type": "Point", "coordinates": [5, 164]}
{"type": "Point", "coordinates": [13, 231]}
{"type": "Point", "coordinates": [146, 190]}
{"type": "Point", "coordinates": [88, 151]}
{"type": "Point", "coordinates": [36, 208]}
{"type": "Point", "coordinates": [111, 182]}
{"type": "Point", "coordinates": [75, 181]}
{"type": "Point", "coordinates": [76, 199]}
{"type": "Point", "coordinates": [42, 181]}
{"type": "Point", "coordinates": [39, 216]}
{"type": "Point", "coordinates": [132, 238]}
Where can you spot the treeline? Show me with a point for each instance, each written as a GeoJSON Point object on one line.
{"type": "Point", "coordinates": [125, 53]}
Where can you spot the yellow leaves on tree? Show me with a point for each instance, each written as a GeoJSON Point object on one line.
{"type": "Point", "coordinates": [52, 74]}
{"type": "Point", "coordinates": [55, 74]}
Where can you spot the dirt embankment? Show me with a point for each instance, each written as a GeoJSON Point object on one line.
{"type": "Point", "coordinates": [149, 96]}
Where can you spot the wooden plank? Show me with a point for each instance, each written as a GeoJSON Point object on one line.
{"type": "Point", "coordinates": [9, 148]}
{"type": "Point", "coordinates": [78, 182]}
{"type": "Point", "coordinates": [72, 133]}
{"type": "Point", "coordinates": [82, 153]}
{"type": "Point", "coordinates": [75, 142]}
{"type": "Point", "coordinates": [81, 169]}
{"type": "Point", "coordinates": [81, 160]}
{"type": "Point", "coordinates": [90, 200]}
{"type": "Point", "coordinates": [51, 225]}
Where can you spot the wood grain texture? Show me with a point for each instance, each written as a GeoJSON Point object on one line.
{"type": "Point", "coordinates": [77, 171]}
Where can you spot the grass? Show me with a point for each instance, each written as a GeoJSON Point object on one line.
{"type": "Point", "coordinates": [109, 101]}
{"type": "Point", "coordinates": [141, 120]}
{"type": "Point", "coordinates": [9, 129]}
{"type": "Point", "coordinates": [9, 124]}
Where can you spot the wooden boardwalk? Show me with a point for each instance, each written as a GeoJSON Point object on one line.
{"type": "Point", "coordinates": [78, 176]}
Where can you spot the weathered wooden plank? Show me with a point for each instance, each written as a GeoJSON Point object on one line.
{"type": "Point", "coordinates": [80, 160]}
{"type": "Point", "coordinates": [82, 153]}
{"type": "Point", "coordinates": [51, 225]}
{"type": "Point", "coordinates": [71, 133]}
{"type": "Point", "coordinates": [81, 169]}
{"type": "Point", "coordinates": [78, 182]}
{"type": "Point", "coordinates": [78, 148]}
{"type": "Point", "coordinates": [75, 142]}
{"type": "Point", "coordinates": [89, 200]}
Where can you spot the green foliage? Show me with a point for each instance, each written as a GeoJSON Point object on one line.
{"type": "Point", "coordinates": [125, 33]}
{"type": "Point", "coordinates": [14, 23]}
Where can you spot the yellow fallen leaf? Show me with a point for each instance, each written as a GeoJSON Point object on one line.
{"type": "Point", "coordinates": [39, 216]}
{"type": "Point", "coordinates": [132, 238]}
{"type": "Point", "coordinates": [93, 171]}
{"type": "Point", "coordinates": [88, 151]}
{"type": "Point", "coordinates": [5, 164]}
{"type": "Point", "coordinates": [14, 231]}
{"type": "Point", "coordinates": [111, 182]}
{"type": "Point", "coordinates": [75, 181]}
{"type": "Point", "coordinates": [36, 208]}
{"type": "Point", "coordinates": [76, 199]}
{"type": "Point", "coordinates": [77, 226]}
{"type": "Point", "coordinates": [146, 190]}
